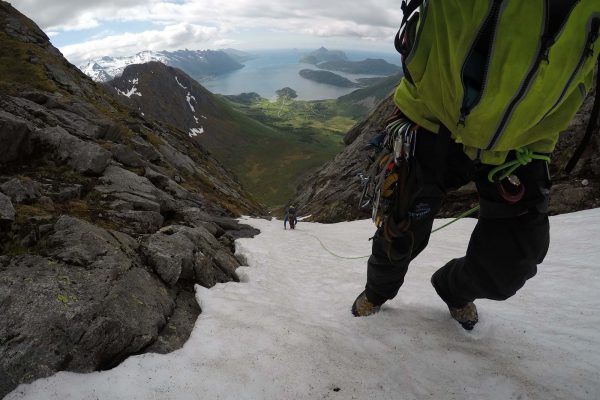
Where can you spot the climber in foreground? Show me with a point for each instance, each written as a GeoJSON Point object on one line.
{"type": "Point", "coordinates": [487, 88]}
{"type": "Point", "coordinates": [290, 216]}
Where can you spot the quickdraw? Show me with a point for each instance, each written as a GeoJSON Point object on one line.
{"type": "Point", "coordinates": [388, 177]}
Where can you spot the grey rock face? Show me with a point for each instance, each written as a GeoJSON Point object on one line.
{"type": "Point", "coordinates": [21, 191]}
{"type": "Point", "coordinates": [85, 157]}
{"type": "Point", "coordinates": [126, 156]}
{"type": "Point", "coordinates": [135, 190]}
{"type": "Point", "coordinates": [7, 211]}
{"type": "Point", "coordinates": [14, 134]}
{"type": "Point", "coordinates": [192, 254]}
{"type": "Point", "coordinates": [178, 159]}
{"type": "Point", "coordinates": [137, 222]}
{"type": "Point", "coordinates": [75, 295]}
{"type": "Point", "coordinates": [94, 304]}
{"type": "Point", "coordinates": [81, 243]}
{"type": "Point", "coordinates": [146, 150]}
{"type": "Point", "coordinates": [179, 327]}
{"type": "Point", "coordinates": [169, 254]}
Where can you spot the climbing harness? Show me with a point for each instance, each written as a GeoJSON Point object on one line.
{"type": "Point", "coordinates": [510, 187]}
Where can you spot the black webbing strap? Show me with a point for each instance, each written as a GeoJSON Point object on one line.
{"type": "Point", "coordinates": [408, 8]}
{"type": "Point", "coordinates": [592, 127]}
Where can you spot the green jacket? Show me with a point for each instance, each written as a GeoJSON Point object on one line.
{"type": "Point", "coordinates": [527, 96]}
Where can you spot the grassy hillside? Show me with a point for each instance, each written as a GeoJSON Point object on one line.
{"type": "Point", "coordinates": [361, 101]}
{"type": "Point", "coordinates": [285, 140]}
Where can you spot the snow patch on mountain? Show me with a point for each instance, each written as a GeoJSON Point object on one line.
{"type": "Point", "coordinates": [132, 91]}
{"type": "Point", "coordinates": [96, 72]}
{"type": "Point", "coordinates": [189, 99]}
{"type": "Point", "coordinates": [179, 83]}
{"type": "Point", "coordinates": [196, 131]}
{"type": "Point", "coordinates": [107, 68]}
{"type": "Point", "coordinates": [197, 63]}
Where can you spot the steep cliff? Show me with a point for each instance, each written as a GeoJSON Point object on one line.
{"type": "Point", "coordinates": [107, 219]}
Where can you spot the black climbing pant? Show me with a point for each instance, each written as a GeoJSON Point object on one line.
{"type": "Point", "coordinates": [507, 244]}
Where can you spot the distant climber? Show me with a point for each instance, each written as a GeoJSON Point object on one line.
{"type": "Point", "coordinates": [290, 216]}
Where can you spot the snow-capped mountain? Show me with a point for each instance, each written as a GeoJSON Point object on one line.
{"type": "Point", "coordinates": [95, 71]}
{"type": "Point", "coordinates": [197, 63]}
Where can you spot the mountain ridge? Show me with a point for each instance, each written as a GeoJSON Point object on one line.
{"type": "Point", "coordinates": [198, 63]}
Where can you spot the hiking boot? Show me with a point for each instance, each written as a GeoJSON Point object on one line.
{"type": "Point", "coordinates": [466, 316]}
{"type": "Point", "coordinates": [362, 307]}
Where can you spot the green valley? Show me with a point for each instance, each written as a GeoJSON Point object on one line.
{"type": "Point", "coordinates": [305, 135]}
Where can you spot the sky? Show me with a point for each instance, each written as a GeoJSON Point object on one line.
{"type": "Point", "coordinates": [88, 29]}
{"type": "Point", "coordinates": [286, 331]}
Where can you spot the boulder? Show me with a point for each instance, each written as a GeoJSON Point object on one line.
{"type": "Point", "coordinates": [76, 124]}
{"type": "Point", "coordinates": [77, 242]}
{"type": "Point", "coordinates": [127, 156]}
{"type": "Point", "coordinates": [85, 303]}
{"type": "Point", "coordinates": [7, 211]}
{"type": "Point", "coordinates": [145, 149]}
{"type": "Point", "coordinates": [85, 157]}
{"type": "Point", "coordinates": [62, 192]}
{"type": "Point", "coordinates": [129, 187]}
{"type": "Point", "coordinates": [179, 253]}
{"type": "Point", "coordinates": [180, 324]}
{"type": "Point", "coordinates": [176, 158]}
{"type": "Point", "coordinates": [169, 252]}
{"type": "Point", "coordinates": [137, 222]}
{"type": "Point", "coordinates": [21, 191]}
{"type": "Point", "coordinates": [14, 135]}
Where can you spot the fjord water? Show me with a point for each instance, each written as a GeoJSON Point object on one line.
{"type": "Point", "coordinates": [272, 70]}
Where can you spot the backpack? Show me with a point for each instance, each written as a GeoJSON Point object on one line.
{"type": "Point", "coordinates": [454, 75]}
{"type": "Point", "coordinates": [392, 180]}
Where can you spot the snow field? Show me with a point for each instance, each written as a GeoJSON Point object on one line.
{"type": "Point", "coordinates": [286, 331]}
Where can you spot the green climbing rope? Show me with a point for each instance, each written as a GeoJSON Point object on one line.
{"type": "Point", "coordinates": [461, 216]}
{"type": "Point", "coordinates": [523, 157]}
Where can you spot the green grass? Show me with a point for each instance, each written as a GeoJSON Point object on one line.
{"type": "Point", "coordinates": [283, 142]}
{"type": "Point", "coordinates": [17, 68]}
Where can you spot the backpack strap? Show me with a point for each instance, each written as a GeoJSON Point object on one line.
{"type": "Point", "coordinates": [409, 7]}
{"type": "Point", "coordinates": [591, 127]}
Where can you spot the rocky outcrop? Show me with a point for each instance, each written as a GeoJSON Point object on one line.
{"type": "Point", "coordinates": [7, 211]}
{"type": "Point", "coordinates": [332, 193]}
{"type": "Point", "coordinates": [85, 157]}
{"type": "Point", "coordinates": [107, 220]}
{"type": "Point", "coordinates": [192, 254]}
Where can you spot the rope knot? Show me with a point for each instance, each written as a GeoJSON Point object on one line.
{"type": "Point", "coordinates": [523, 156]}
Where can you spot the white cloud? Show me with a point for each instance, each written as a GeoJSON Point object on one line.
{"type": "Point", "coordinates": [303, 14]}
{"type": "Point", "coordinates": [200, 24]}
{"type": "Point", "coordinates": [172, 37]}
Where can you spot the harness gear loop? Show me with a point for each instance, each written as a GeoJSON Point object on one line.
{"type": "Point", "coordinates": [514, 192]}
{"type": "Point", "coordinates": [523, 156]}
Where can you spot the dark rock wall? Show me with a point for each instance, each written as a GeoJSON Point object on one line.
{"type": "Point", "coordinates": [107, 220]}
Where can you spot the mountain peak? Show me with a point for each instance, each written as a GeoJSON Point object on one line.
{"type": "Point", "coordinates": [198, 63]}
